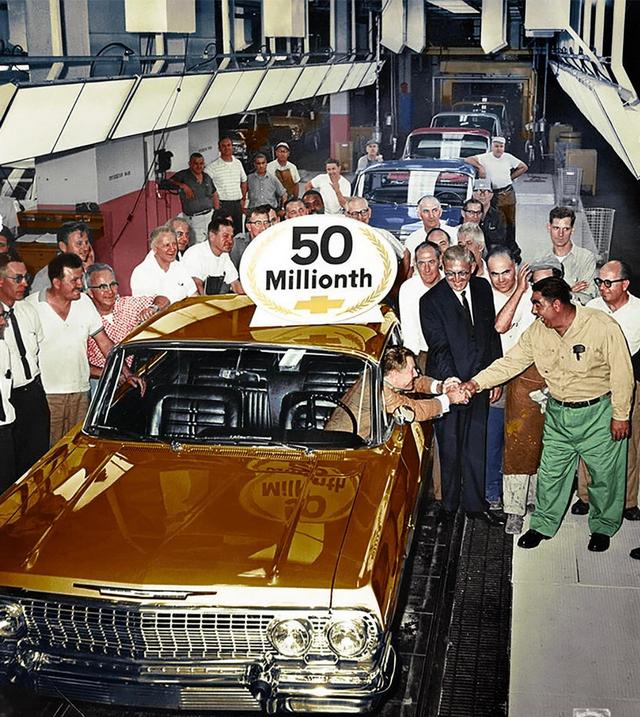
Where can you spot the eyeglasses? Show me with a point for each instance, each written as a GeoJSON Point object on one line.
{"type": "Point", "coordinates": [457, 274]}
{"type": "Point", "coordinates": [607, 282]}
{"type": "Point", "coordinates": [19, 278]}
{"type": "Point", "coordinates": [358, 214]}
{"type": "Point", "coordinates": [106, 287]}
{"type": "Point", "coordinates": [261, 223]}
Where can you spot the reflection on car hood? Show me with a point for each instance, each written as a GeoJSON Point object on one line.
{"type": "Point", "coordinates": [144, 515]}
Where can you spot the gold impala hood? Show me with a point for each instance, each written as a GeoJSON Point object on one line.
{"type": "Point", "coordinates": [99, 512]}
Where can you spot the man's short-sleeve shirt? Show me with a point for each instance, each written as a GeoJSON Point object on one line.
{"type": "Point", "coordinates": [498, 169]}
{"type": "Point", "coordinates": [202, 263]}
{"type": "Point", "coordinates": [64, 366]}
{"type": "Point", "coordinates": [227, 177]}
{"type": "Point", "coordinates": [149, 279]}
{"type": "Point", "coordinates": [118, 324]}
{"type": "Point", "coordinates": [203, 192]}
{"type": "Point", "coordinates": [322, 183]}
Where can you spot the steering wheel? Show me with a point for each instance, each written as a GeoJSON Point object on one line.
{"type": "Point", "coordinates": [448, 197]}
{"type": "Point", "coordinates": [331, 399]}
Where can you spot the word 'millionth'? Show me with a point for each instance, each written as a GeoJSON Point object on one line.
{"type": "Point", "coordinates": [310, 279]}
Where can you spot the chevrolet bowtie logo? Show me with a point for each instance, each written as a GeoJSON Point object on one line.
{"type": "Point", "coordinates": [319, 304]}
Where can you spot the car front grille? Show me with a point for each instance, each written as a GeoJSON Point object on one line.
{"type": "Point", "coordinates": [140, 633]}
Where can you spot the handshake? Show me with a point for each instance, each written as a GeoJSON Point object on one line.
{"type": "Point", "coordinates": [457, 391]}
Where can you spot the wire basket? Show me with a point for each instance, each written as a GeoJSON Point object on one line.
{"type": "Point", "coordinates": [600, 221]}
{"type": "Point", "coordinates": [568, 183]}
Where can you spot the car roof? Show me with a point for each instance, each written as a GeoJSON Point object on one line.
{"type": "Point", "coordinates": [451, 112]}
{"type": "Point", "coordinates": [226, 319]}
{"type": "Point", "coordinates": [443, 165]}
{"type": "Point", "coordinates": [442, 130]}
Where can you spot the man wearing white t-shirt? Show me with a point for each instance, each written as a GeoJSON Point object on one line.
{"type": "Point", "coordinates": [613, 283]}
{"type": "Point", "coordinates": [68, 319]}
{"type": "Point", "coordinates": [285, 171]}
{"type": "Point", "coordinates": [430, 211]}
{"type": "Point", "coordinates": [159, 274]}
{"type": "Point", "coordinates": [334, 188]}
{"type": "Point", "coordinates": [209, 263]}
{"type": "Point", "coordinates": [501, 168]}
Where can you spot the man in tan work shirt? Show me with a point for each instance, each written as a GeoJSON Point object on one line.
{"type": "Point", "coordinates": [583, 357]}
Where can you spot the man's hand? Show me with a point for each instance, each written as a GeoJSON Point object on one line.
{"type": "Point", "coordinates": [138, 382]}
{"type": "Point", "coordinates": [495, 393]}
{"type": "Point", "coordinates": [579, 286]}
{"type": "Point", "coordinates": [523, 278]}
{"type": "Point", "coordinates": [449, 382]}
{"type": "Point", "coordinates": [188, 192]}
{"type": "Point", "coordinates": [148, 313]}
{"type": "Point", "coordinates": [456, 394]}
{"type": "Point", "coordinates": [620, 429]}
{"type": "Point", "coordinates": [470, 388]}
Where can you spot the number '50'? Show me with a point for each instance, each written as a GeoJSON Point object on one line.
{"type": "Point", "coordinates": [312, 247]}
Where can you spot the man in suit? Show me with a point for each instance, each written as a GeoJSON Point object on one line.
{"type": "Point", "coordinates": [457, 317]}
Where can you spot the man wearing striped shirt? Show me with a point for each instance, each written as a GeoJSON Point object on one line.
{"type": "Point", "coordinates": [230, 180]}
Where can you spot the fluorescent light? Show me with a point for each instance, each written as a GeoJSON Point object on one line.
{"type": "Point", "coordinates": [86, 126]}
{"type": "Point", "coordinates": [459, 7]}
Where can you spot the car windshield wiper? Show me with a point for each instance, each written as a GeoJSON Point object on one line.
{"type": "Point", "coordinates": [124, 433]}
{"type": "Point", "coordinates": [273, 442]}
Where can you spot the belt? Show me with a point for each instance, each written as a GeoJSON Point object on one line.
{"type": "Point", "coordinates": [581, 404]}
{"type": "Point", "coordinates": [503, 190]}
{"type": "Point", "coordinates": [199, 214]}
{"type": "Point", "coordinates": [36, 382]}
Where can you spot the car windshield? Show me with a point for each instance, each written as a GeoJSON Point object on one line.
{"type": "Point", "coordinates": [473, 121]}
{"type": "Point", "coordinates": [236, 394]}
{"type": "Point", "coordinates": [390, 186]}
{"type": "Point", "coordinates": [448, 145]}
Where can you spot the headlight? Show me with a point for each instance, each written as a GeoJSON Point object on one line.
{"type": "Point", "coordinates": [11, 620]}
{"type": "Point", "coordinates": [290, 637]}
{"type": "Point", "coordinates": [348, 638]}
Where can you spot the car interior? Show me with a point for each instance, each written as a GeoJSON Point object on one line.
{"type": "Point", "coordinates": [234, 392]}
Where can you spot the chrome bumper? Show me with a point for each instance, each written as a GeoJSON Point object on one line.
{"type": "Point", "coordinates": [260, 686]}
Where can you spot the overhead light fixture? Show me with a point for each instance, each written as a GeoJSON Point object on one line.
{"type": "Point", "coordinates": [459, 7]}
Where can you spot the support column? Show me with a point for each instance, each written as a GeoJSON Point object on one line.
{"type": "Point", "coordinates": [340, 121]}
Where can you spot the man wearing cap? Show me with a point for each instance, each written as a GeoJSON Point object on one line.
{"type": "Point", "coordinates": [372, 156]}
{"type": "Point", "coordinates": [285, 171]}
{"type": "Point", "coordinates": [500, 168]}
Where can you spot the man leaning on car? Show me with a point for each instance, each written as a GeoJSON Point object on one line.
{"type": "Point", "coordinates": [401, 380]}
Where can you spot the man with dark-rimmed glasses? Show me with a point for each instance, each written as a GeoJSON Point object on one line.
{"type": "Point", "coordinates": [23, 336]}
{"type": "Point", "coordinates": [613, 283]}
{"type": "Point", "coordinates": [119, 314]}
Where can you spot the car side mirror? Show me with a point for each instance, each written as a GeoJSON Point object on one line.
{"type": "Point", "coordinates": [404, 414]}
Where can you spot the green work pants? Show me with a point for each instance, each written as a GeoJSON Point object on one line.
{"type": "Point", "coordinates": [569, 434]}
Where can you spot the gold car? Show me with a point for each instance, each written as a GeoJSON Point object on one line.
{"type": "Point", "coordinates": [207, 544]}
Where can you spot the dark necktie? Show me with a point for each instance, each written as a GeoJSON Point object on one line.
{"type": "Point", "coordinates": [467, 309]}
{"type": "Point", "coordinates": [19, 343]}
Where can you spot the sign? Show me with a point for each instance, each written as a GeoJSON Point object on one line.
{"type": "Point", "coordinates": [318, 269]}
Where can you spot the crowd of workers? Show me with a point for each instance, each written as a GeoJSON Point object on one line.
{"type": "Point", "coordinates": [522, 406]}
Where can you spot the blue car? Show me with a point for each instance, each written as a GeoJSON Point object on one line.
{"type": "Point", "coordinates": [394, 188]}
